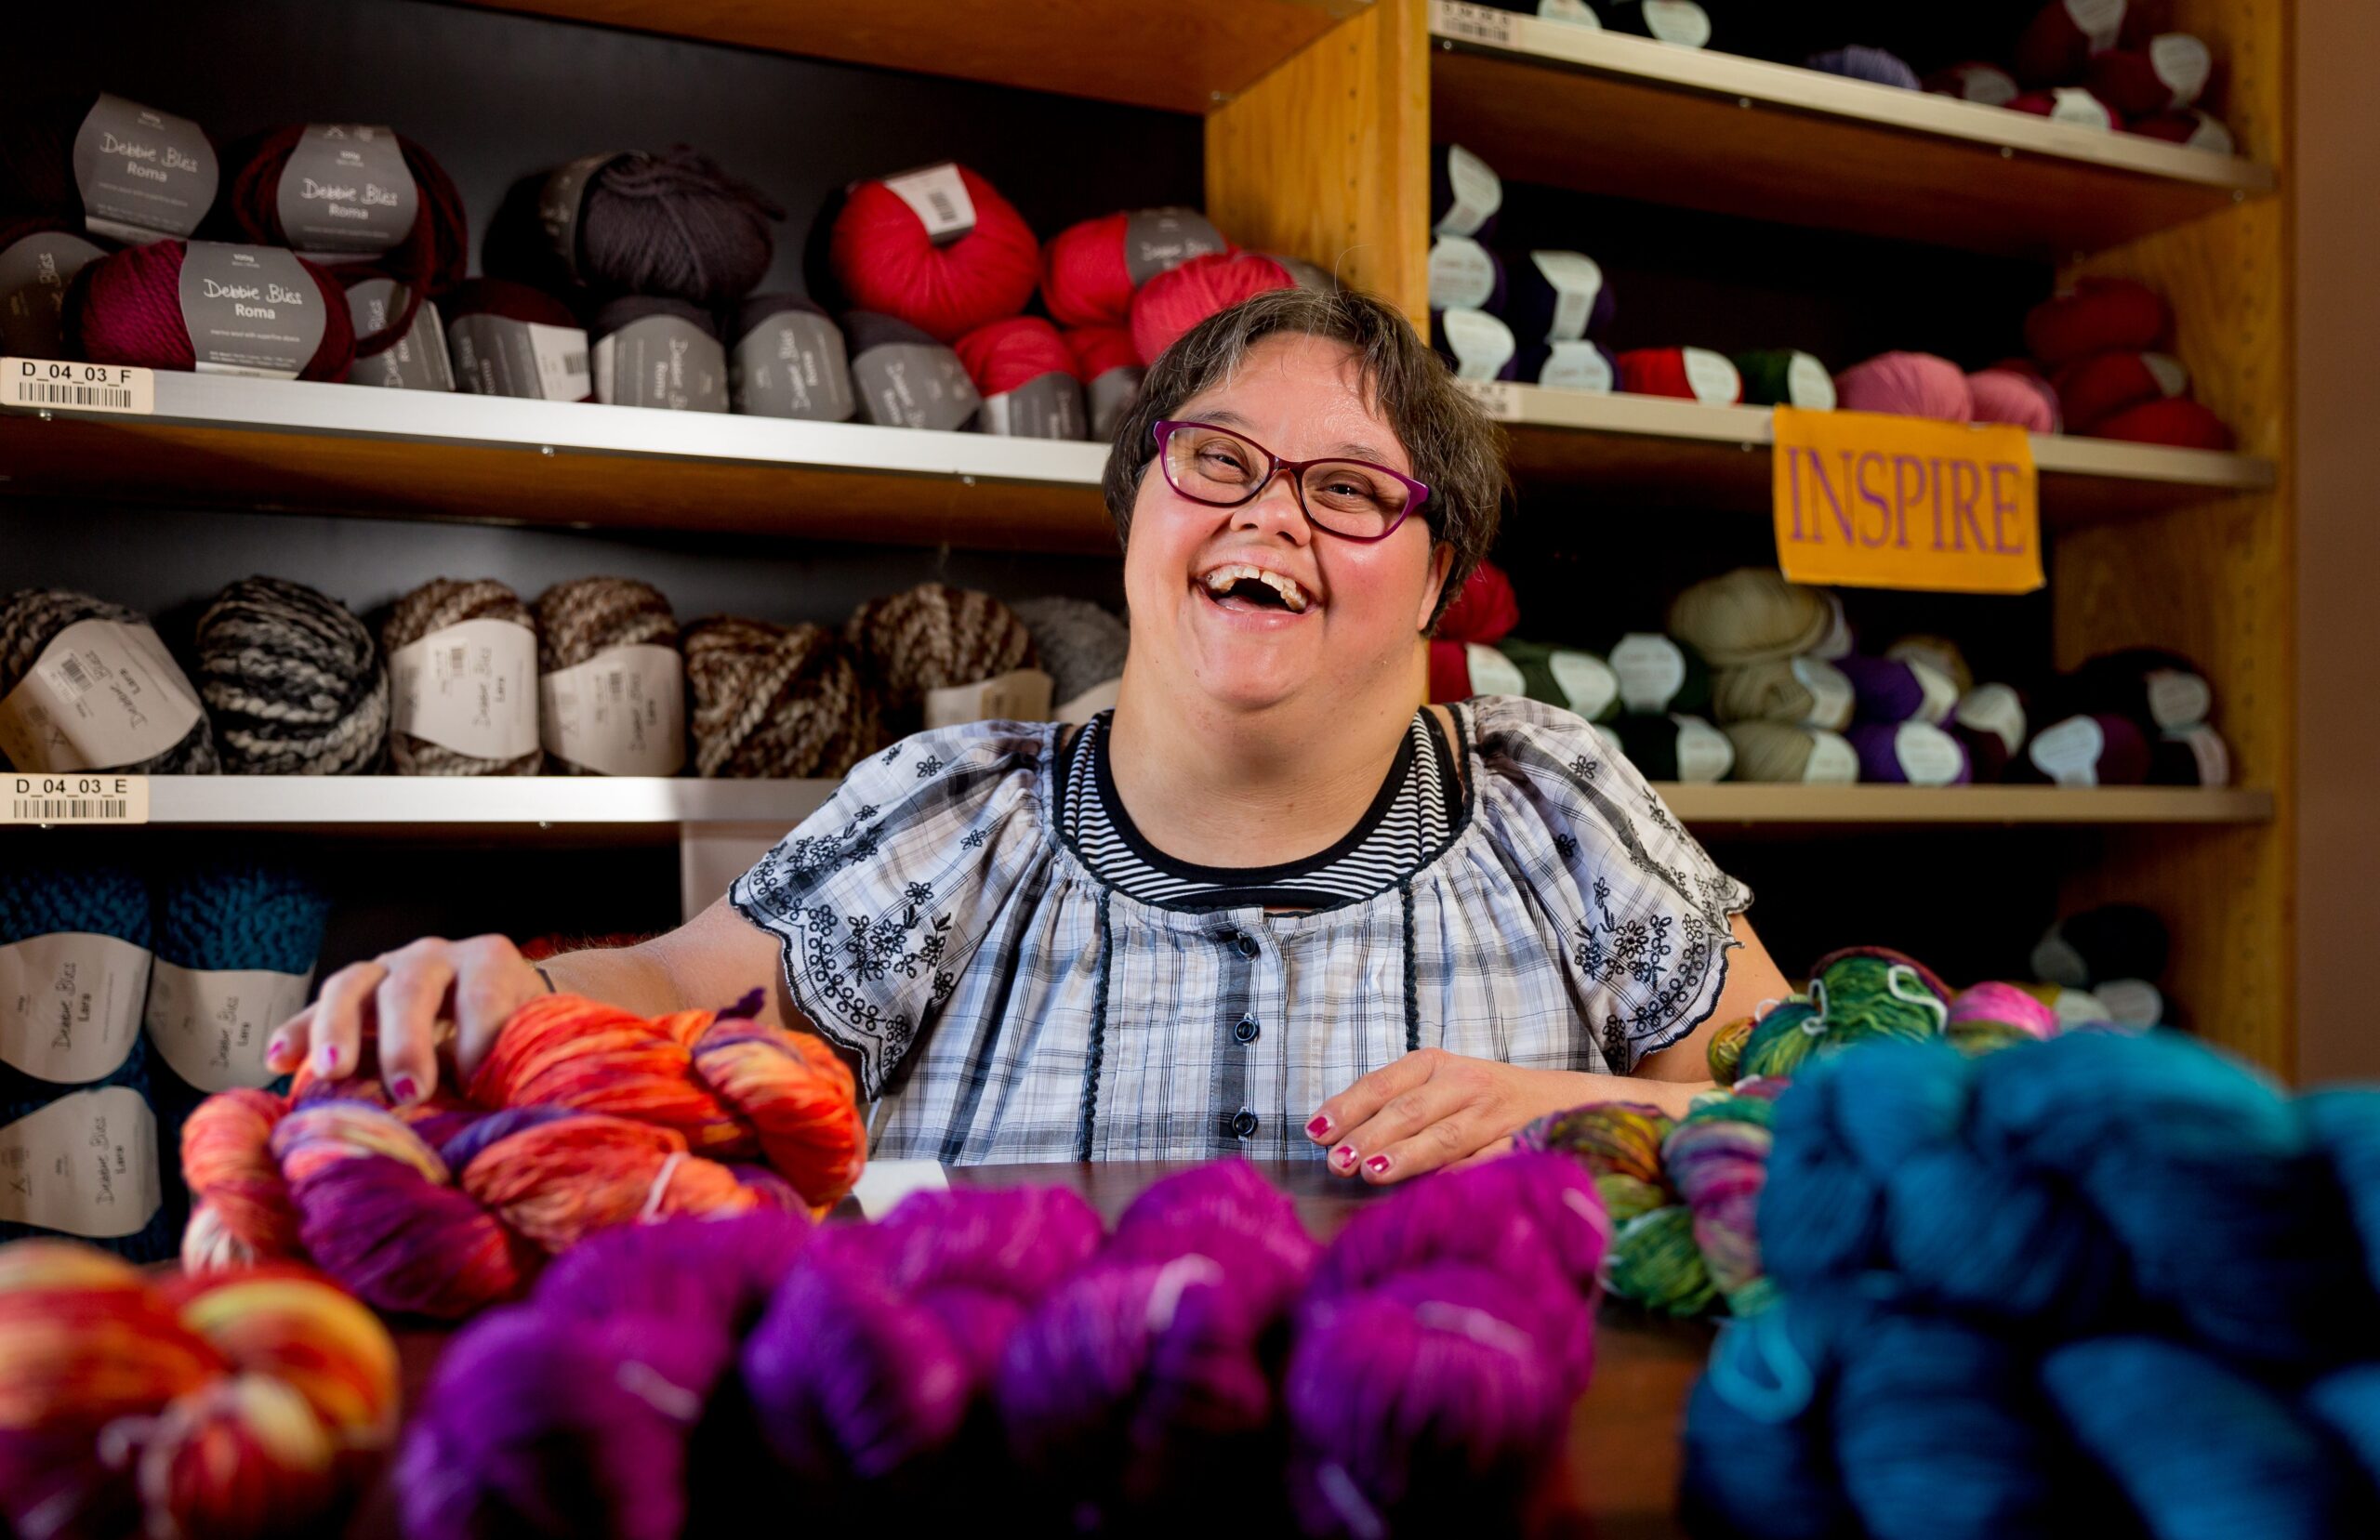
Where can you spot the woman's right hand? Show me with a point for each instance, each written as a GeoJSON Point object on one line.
{"type": "Point", "coordinates": [404, 999]}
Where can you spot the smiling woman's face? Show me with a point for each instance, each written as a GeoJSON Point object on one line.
{"type": "Point", "coordinates": [1366, 605]}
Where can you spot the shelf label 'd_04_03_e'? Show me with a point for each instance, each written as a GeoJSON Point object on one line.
{"type": "Point", "coordinates": [1869, 500]}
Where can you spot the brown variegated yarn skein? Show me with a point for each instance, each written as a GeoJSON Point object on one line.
{"type": "Point", "coordinates": [932, 637]}
{"type": "Point", "coordinates": [776, 701]}
{"type": "Point", "coordinates": [587, 616]}
{"type": "Point", "coordinates": [432, 607]}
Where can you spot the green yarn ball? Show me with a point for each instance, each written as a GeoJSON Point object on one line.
{"type": "Point", "coordinates": [1654, 1260]}
{"type": "Point", "coordinates": [1784, 1040]}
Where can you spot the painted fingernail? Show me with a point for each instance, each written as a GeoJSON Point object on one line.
{"type": "Point", "coordinates": [326, 1059]}
{"type": "Point", "coordinates": [278, 1050]}
{"type": "Point", "coordinates": [1343, 1157]}
{"type": "Point", "coordinates": [1319, 1127]}
{"type": "Point", "coordinates": [1377, 1166]}
{"type": "Point", "coordinates": [403, 1088]}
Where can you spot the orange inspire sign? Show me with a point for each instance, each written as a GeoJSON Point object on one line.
{"type": "Point", "coordinates": [1872, 501]}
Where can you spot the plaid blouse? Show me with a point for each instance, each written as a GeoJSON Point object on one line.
{"type": "Point", "coordinates": [1004, 1004]}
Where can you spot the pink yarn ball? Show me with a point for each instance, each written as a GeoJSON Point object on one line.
{"type": "Point", "coordinates": [2006, 1004]}
{"type": "Point", "coordinates": [2005, 396]}
{"type": "Point", "coordinates": [1908, 385]}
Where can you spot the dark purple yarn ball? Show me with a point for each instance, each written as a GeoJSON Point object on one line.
{"type": "Point", "coordinates": [683, 1269]}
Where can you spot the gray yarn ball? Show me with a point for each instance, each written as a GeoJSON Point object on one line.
{"type": "Point", "coordinates": [294, 681]}
{"type": "Point", "coordinates": [1082, 645]}
{"type": "Point", "coordinates": [31, 619]}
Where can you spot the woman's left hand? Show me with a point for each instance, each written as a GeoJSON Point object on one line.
{"type": "Point", "coordinates": [1433, 1109]}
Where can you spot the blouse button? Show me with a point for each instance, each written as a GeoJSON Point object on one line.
{"type": "Point", "coordinates": [1243, 1123]}
{"type": "Point", "coordinates": [1248, 1030]}
{"type": "Point", "coordinates": [1244, 942]}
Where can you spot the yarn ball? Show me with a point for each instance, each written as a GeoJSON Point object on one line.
{"type": "Point", "coordinates": [1088, 271]}
{"type": "Point", "coordinates": [1465, 275]}
{"type": "Point", "coordinates": [1804, 690]}
{"type": "Point", "coordinates": [2168, 75]}
{"type": "Point", "coordinates": [933, 637]}
{"type": "Point", "coordinates": [2055, 48]}
{"type": "Point", "coordinates": [1009, 355]}
{"type": "Point", "coordinates": [2005, 396]}
{"type": "Point", "coordinates": [2159, 688]}
{"type": "Point", "coordinates": [435, 605]}
{"type": "Point", "coordinates": [630, 308]}
{"type": "Point", "coordinates": [1789, 753]}
{"type": "Point", "coordinates": [1588, 366]}
{"type": "Point", "coordinates": [1100, 351]}
{"type": "Point", "coordinates": [1658, 673]}
{"type": "Point", "coordinates": [1688, 373]}
{"type": "Point", "coordinates": [1979, 1007]}
{"type": "Point", "coordinates": [1896, 690]}
{"type": "Point", "coordinates": [2193, 129]}
{"type": "Point", "coordinates": [249, 1406]}
{"type": "Point", "coordinates": [2097, 315]}
{"type": "Point", "coordinates": [46, 254]}
{"type": "Point", "coordinates": [1676, 747]}
{"type": "Point", "coordinates": [2068, 104]}
{"type": "Point", "coordinates": [776, 702]}
{"type": "Point", "coordinates": [1619, 1144]}
{"type": "Point", "coordinates": [1785, 376]}
{"type": "Point", "coordinates": [2114, 941]}
{"type": "Point", "coordinates": [582, 1117]}
{"type": "Point", "coordinates": [580, 620]}
{"type": "Point", "coordinates": [884, 259]}
{"type": "Point", "coordinates": [1556, 297]}
{"type": "Point", "coordinates": [292, 679]}
{"type": "Point", "coordinates": [1859, 61]}
{"type": "Point", "coordinates": [905, 378]}
{"type": "Point", "coordinates": [1910, 753]}
{"type": "Point", "coordinates": [37, 161]}
{"type": "Point", "coordinates": [1483, 610]}
{"type": "Point", "coordinates": [1986, 84]}
{"type": "Point", "coordinates": [32, 618]}
{"type": "Point", "coordinates": [428, 261]}
{"type": "Point", "coordinates": [127, 308]}
{"type": "Point", "coordinates": [1939, 653]}
{"type": "Point", "coordinates": [2190, 756]}
{"type": "Point", "coordinates": [2176, 424]}
{"type": "Point", "coordinates": [1464, 194]}
{"type": "Point", "coordinates": [788, 331]}
{"type": "Point", "coordinates": [1476, 345]}
{"type": "Point", "coordinates": [1168, 306]}
{"type": "Point", "coordinates": [509, 301]}
{"type": "Point", "coordinates": [1576, 682]}
{"type": "Point", "coordinates": [672, 225]}
{"type": "Point", "coordinates": [1990, 721]}
{"type": "Point", "coordinates": [2094, 388]}
{"type": "Point", "coordinates": [1909, 384]}
{"type": "Point", "coordinates": [1449, 668]}
{"type": "Point", "coordinates": [1751, 615]}
{"type": "Point", "coordinates": [1080, 644]}
{"type": "Point", "coordinates": [2120, 759]}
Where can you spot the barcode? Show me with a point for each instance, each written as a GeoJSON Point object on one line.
{"type": "Point", "coordinates": [455, 659]}
{"type": "Point", "coordinates": [42, 808]}
{"type": "Point", "coordinates": [566, 363]}
{"type": "Point", "coordinates": [38, 392]}
{"type": "Point", "coordinates": [942, 207]}
{"type": "Point", "coordinates": [71, 667]}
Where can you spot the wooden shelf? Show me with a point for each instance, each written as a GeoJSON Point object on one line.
{"type": "Point", "coordinates": [1663, 452]}
{"type": "Point", "coordinates": [1557, 103]}
{"type": "Point", "coordinates": [1186, 58]}
{"type": "Point", "coordinates": [1949, 807]}
{"type": "Point", "coordinates": [291, 445]}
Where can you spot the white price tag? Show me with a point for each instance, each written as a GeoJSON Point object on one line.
{"type": "Point", "coordinates": [1491, 672]}
{"type": "Point", "coordinates": [2179, 700]}
{"type": "Point", "coordinates": [1478, 192]}
{"type": "Point", "coordinates": [2068, 752]}
{"type": "Point", "coordinates": [1020, 695]}
{"type": "Point", "coordinates": [1679, 21]}
{"type": "Point", "coordinates": [1587, 682]}
{"type": "Point", "coordinates": [563, 370]}
{"type": "Point", "coordinates": [1928, 755]}
{"type": "Point", "coordinates": [86, 1165]}
{"type": "Point", "coordinates": [89, 798]}
{"type": "Point", "coordinates": [1713, 377]}
{"type": "Point", "coordinates": [622, 712]}
{"type": "Point", "coordinates": [70, 1003]}
{"type": "Point", "coordinates": [1463, 276]}
{"type": "Point", "coordinates": [1651, 671]}
{"type": "Point", "coordinates": [1808, 384]}
{"type": "Point", "coordinates": [1833, 762]}
{"type": "Point", "coordinates": [1996, 709]}
{"type": "Point", "coordinates": [940, 200]}
{"type": "Point", "coordinates": [102, 694]}
{"type": "Point", "coordinates": [2072, 105]}
{"type": "Point", "coordinates": [2100, 21]}
{"type": "Point", "coordinates": [212, 1025]}
{"type": "Point", "coordinates": [1482, 343]}
{"type": "Point", "coordinates": [1577, 366]}
{"type": "Point", "coordinates": [41, 382]}
{"type": "Point", "coordinates": [1939, 692]}
{"type": "Point", "coordinates": [1704, 753]}
{"type": "Point", "coordinates": [1577, 282]}
{"type": "Point", "coordinates": [1831, 697]}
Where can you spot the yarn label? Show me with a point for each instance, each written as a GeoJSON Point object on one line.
{"type": "Point", "coordinates": [560, 203]}
{"type": "Point", "coordinates": [33, 275]}
{"type": "Point", "coordinates": [914, 384]}
{"type": "Point", "coordinates": [1049, 406]}
{"type": "Point", "coordinates": [2133, 1002]}
{"type": "Point", "coordinates": [622, 712]}
{"type": "Point", "coordinates": [102, 694]}
{"type": "Point", "coordinates": [1808, 384]}
{"type": "Point", "coordinates": [940, 200]}
{"type": "Point", "coordinates": [792, 365]}
{"type": "Point", "coordinates": [661, 361]}
{"type": "Point", "coordinates": [2177, 699]}
{"type": "Point", "coordinates": [1482, 345]}
{"type": "Point", "coordinates": [1474, 23]}
{"type": "Point", "coordinates": [1577, 366]}
{"type": "Point", "coordinates": [1996, 709]}
{"type": "Point", "coordinates": [1587, 682]}
{"type": "Point", "coordinates": [1491, 672]}
{"type": "Point", "coordinates": [1927, 755]}
{"type": "Point", "coordinates": [470, 687]}
{"type": "Point", "coordinates": [1704, 753]}
{"type": "Point", "coordinates": [1833, 761]}
{"type": "Point", "coordinates": [2100, 21]}
{"type": "Point", "coordinates": [1463, 276]}
{"type": "Point", "coordinates": [144, 175]}
{"type": "Point", "coordinates": [1830, 694]}
{"type": "Point", "coordinates": [2210, 135]}
{"type": "Point", "coordinates": [2068, 753]}
{"type": "Point", "coordinates": [2167, 371]}
{"type": "Point", "coordinates": [1939, 693]}
{"type": "Point", "coordinates": [417, 361]}
{"type": "Point", "coordinates": [1020, 695]}
{"type": "Point", "coordinates": [1476, 191]}
{"type": "Point", "coordinates": [2213, 754]}
{"type": "Point", "coordinates": [1577, 282]}
{"type": "Point", "coordinates": [1111, 395]}
{"type": "Point", "coordinates": [70, 1004]}
{"type": "Point", "coordinates": [497, 356]}
{"type": "Point", "coordinates": [1651, 670]}
{"type": "Point", "coordinates": [346, 190]}
{"type": "Point", "coordinates": [86, 798]}
{"type": "Point", "coordinates": [211, 1024]}
{"type": "Point", "coordinates": [2075, 105]}
{"type": "Point", "coordinates": [86, 1165]}
{"type": "Point", "coordinates": [1712, 376]}
{"type": "Point", "coordinates": [1159, 240]}
{"type": "Point", "coordinates": [78, 386]}
{"type": "Point", "coordinates": [2182, 64]}
{"type": "Point", "coordinates": [884, 1183]}
{"type": "Point", "coordinates": [1679, 21]}
{"type": "Point", "coordinates": [1838, 640]}
{"type": "Point", "coordinates": [249, 310]}
{"type": "Point", "coordinates": [1090, 703]}
{"type": "Point", "coordinates": [1576, 11]}
{"type": "Point", "coordinates": [1875, 500]}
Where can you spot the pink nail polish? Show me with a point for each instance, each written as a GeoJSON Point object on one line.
{"type": "Point", "coordinates": [1377, 1166]}
{"type": "Point", "coordinates": [1343, 1157]}
{"type": "Point", "coordinates": [326, 1059]}
{"type": "Point", "coordinates": [276, 1051]}
{"type": "Point", "coordinates": [403, 1088]}
{"type": "Point", "coordinates": [1319, 1127]}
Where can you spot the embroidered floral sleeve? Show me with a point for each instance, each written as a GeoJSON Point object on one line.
{"type": "Point", "coordinates": [881, 895]}
{"type": "Point", "coordinates": [1644, 909]}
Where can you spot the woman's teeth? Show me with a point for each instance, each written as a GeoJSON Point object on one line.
{"type": "Point", "coordinates": [1220, 582]}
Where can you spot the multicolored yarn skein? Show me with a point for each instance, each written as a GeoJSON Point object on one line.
{"type": "Point", "coordinates": [777, 701]}
{"type": "Point", "coordinates": [250, 1405]}
{"type": "Point", "coordinates": [32, 618]}
{"type": "Point", "coordinates": [581, 1117]}
{"type": "Point", "coordinates": [933, 637]}
{"type": "Point", "coordinates": [294, 681]}
{"type": "Point", "coordinates": [434, 606]}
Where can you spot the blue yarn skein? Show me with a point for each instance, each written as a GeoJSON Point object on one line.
{"type": "Point", "coordinates": [45, 898]}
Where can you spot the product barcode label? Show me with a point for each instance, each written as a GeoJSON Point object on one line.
{"type": "Point", "coordinates": [939, 199]}
{"type": "Point", "coordinates": [1472, 23]}
{"type": "Point", "coordinates": [1497, 398]}
{"type": "Point", "coordinates": [77, 798]}
{"type": "Point", "coordinates": [40, 382]}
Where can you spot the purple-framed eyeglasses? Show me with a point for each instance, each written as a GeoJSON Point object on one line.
{"type": "Point", "coordinates": [1352, 499]}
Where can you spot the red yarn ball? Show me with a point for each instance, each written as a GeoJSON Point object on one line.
{"type": "Point", "coordinates": [2098, 388]}
{"type": "Point", "coordinates": [1171, 304]}
{"type": "Point", "coordinates": [2176, 423]}
{"type": "Point", "coordinates": [1098, 350]}
{"type": "Point", "coordinates": [885, 260]}
{"type": "Point", "coordinates": [1483, 610]}
{"type": "Point", "coordinates": [1449, 672]}
{"type": "Point", "coordinates": [1085, 280]}
{"type": "Point", "coordinates": [429, 262]}
{"type": "Point", "coordinates": [2170, 74]}
{"type": "Point", "coordinates": [2100, 315]}
{"type": "Point", "coordinates": [1012, 352]}
{"type": "Point", "coordinates": [2189, 127]}
{"type": "Point", "coordinates": [1666, 372]}
{"type": "Point", "coordinates": [127, 308]}
{"type": "Point", "coordinates": [2055, 48]}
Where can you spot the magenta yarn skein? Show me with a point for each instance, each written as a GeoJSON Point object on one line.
{"type": "Point", "coordinates": [1908, 385]}
{"type": "Point", "coordinates": [2006, 1004]}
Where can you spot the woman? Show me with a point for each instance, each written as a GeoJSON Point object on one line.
{"type": "Point", "coordinates": [1273, 904]}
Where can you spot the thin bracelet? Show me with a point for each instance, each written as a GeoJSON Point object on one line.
{"type": "Point", "coordinates": [548, 978]}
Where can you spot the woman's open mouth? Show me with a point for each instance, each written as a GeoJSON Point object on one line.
{"type": "Point", "coordinates": [1242, 588]}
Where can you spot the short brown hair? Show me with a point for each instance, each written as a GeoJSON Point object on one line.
{"type": "Point", "coordinates": [1456, 451]}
